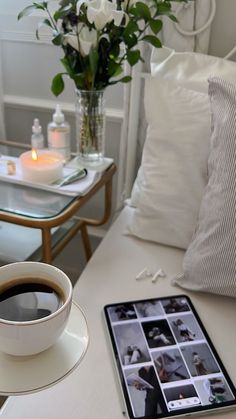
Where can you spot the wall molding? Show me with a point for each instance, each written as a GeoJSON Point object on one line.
{"type": "Point", "coordinates": [12, 30]}
{"type": "Point", "coordinates": [23, 31]}
{"type": "Point", "coordinates": [23, 36]}
{"type": "Point", "coordinates": [20, 102]}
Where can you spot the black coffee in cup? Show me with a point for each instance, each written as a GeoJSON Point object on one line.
{"type": "Point", "coordinates": [27, 299]}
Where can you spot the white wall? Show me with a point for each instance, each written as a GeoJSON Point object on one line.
{"type": "Point", "coordinates": [223, 34]}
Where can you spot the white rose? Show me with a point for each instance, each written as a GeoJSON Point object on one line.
{"type": "Point", "coordinates": [83, 40]}
{"type": "Point", "coordinates": [87, 40]}
{"type": "Point", "coordinates": [100, 12]}
{"type": "Point", "coordinates": [72, 40]}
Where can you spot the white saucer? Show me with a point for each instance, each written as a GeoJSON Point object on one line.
{"type": "Point", "coordinates": [28, 374]}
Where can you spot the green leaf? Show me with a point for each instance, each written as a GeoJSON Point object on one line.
{"type": "Point", "coordinates": [172, 17]}
{"type": "Point", "coordinates": [131, 41]}
{"type": "Point", "coordinates": [44, 22]}
{"type": "Point", "coordinates": [66, 65]}
{"type": "Point", "coordinates": [143, 11]}
{"type": "Point", "coordinates": [152, 40]}
{"type": "Point", "coordinates": [59, 14]}
{"type": "Point", "coordinates": [57, 85]}
{"type": "Point", "coordinates": [163, 8]}
{"type": "Point", "coordinates": [58, 39]}
{"type": "Point", "coordinates": [133, 11]}
{"type": "Point", "coordinates": [27, 11]}
{"type": "Point", "coordinates": [133, 57]}
{"type": "Point", "coordinates": [114, 69]}
{"type": "Point", "coordinates": [155, 25]}
{"type": "Point", "coordinates": [93, 60]}
{"type": "Point", "coordinates": [114, 51]}
{"type": "Point", "coordinates": [125, 79]}
{"type": "Point", "coordinates": [131, 28]}
{"type": "Point", "coordinates": [79, 80]}
{"type": "Point", "coordinates": [43, 5]}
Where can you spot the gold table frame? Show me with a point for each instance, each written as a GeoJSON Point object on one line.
{"type": "Point", "coordinates": [49, 252]}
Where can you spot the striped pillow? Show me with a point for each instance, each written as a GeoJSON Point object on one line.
{"type": "Point", "coordinates": [210, 261]}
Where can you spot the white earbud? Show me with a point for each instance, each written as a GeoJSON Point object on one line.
{"type": "Point", "coordinates": [159, 273]}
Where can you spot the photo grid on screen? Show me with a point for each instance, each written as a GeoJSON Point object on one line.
{"type": "Point", "coordinates": [166, 362]}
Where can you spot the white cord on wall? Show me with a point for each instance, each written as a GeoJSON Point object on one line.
{"type": "Point", "coordinates": [203, 28]}
{"type": "Point", "coordinates": [199, 30]}
{"type": "Point", "coordinates": [229, 55]}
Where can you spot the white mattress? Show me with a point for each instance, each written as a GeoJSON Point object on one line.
{"type": "Point", "coordinates": [91, 392]}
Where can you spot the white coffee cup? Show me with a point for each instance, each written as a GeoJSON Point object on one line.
{"type": "Point", "coordinates": [34, 336]}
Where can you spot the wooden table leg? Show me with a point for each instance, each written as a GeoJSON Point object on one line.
{"type": "Point", "coordinates": [86, 241]}
{"type": "Point", "coordinates": [46, 245]}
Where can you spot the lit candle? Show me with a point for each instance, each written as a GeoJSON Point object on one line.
{"type": "Point", "coordinates": [43, 166]}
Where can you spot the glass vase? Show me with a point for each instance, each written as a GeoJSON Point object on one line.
{"type": "Point", "coordinates": [90, 125]}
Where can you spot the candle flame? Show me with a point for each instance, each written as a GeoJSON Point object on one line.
{"type": "Point", "coordinates": [34, 154]}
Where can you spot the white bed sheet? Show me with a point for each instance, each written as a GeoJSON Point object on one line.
{"type": "Point", "coordinates": [91, 391]}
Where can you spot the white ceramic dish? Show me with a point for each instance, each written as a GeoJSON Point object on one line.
{"type": "Point", "coordinates": [28, 374]}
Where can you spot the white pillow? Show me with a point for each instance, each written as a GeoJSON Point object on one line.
{"type": "Point", "coordinates": [168, 190]}
{"type": "Point", "coordinates": [210, 261]}
{"type": "Point", "coordinates": [173, 173]}
{"type": "Point", "coordinates": [190, 69]}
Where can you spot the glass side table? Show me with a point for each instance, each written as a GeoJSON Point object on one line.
{"type": "Point", "coordinates": [44, 210]}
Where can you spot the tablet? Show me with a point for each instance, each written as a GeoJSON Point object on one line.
{"type": "Point", "coordinates": [166, 362]}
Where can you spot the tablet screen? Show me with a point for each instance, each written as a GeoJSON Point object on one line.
{"type": "Point", "coordinates": [166, 362]}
